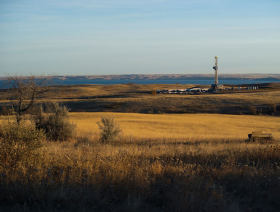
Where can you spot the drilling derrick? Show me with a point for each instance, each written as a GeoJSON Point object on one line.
{"type": "Point", "coordinates": [216, 70]}
{"type": "Point", "coordinates": [216, 87]}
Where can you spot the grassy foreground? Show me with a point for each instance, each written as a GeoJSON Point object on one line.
{"type": "Point", "coordinates": [174, 163]}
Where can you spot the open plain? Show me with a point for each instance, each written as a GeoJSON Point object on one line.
{"type": "Point", "coordinates": [184, 127]}
{"type": "Point", "coordinates": [163, 160]}
{"type": "Point", "coordinates": [135, 98]}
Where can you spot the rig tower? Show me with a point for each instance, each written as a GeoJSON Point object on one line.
{"type": "Point", "coordinates": [216, 70]}
{"type": "Point", "coordinates": [216, 87]}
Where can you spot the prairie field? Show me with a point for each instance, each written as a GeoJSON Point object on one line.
{"type": "Point", "coordinates": [174, 153]}
{"type": "Point", "coordinates": [161, 162]}
{"type": "Point", "coordinates": [134, 98]}
{"type": "Point", "coordinates": [185, 127]}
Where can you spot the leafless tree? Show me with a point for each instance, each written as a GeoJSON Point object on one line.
{"type": "Point", "coordinates": [23, 92]}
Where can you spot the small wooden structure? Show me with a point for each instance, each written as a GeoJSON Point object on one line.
{"type": "Point", "coordinates": [259, 136]}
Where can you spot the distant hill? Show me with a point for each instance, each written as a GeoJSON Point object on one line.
{"type": "Point", "coordinates": [265, 77]}
{"type": "Point", "coordinates": [171, 76]}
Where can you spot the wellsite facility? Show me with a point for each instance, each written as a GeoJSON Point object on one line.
{"type": "Point", "coordinates": [215, 87]}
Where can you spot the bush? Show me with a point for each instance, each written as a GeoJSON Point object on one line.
{"type": "Point", "coordinates": [253, 110]}
{"type": "Point", "coordinates": [56, 125]}
{"type": "Point", "coordinates": [109, 129]}
{"type": "Point", "coordinates": [18, 143]}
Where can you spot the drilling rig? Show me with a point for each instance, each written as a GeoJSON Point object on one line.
{"type": "Point", "coordinates": [216, 70]}
{"type": "Point", "coordinates": [215, 86]}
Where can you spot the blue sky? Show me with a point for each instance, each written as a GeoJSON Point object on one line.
{"type": "Point", "coordinates": [90, 37]}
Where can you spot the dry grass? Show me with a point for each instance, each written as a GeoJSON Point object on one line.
{"type": "Point", "coordinates": [161, 170]}
{"type": "Point", "coordinates": [137, 98]}
{"type": "Point", "coordinates": [181, 126]}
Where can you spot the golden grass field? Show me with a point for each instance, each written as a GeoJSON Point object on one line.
{"type": "Point", "coordinates": [181, 126]}
{"type": "Point", "coordinates": [183, 162]}
{"type": "Point", "coordinates": [161, 162]}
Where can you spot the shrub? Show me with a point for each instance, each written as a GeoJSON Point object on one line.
{"type": "Point", "coordinates": [109, 129]}
{"type": "Point", "coordinates": [18, 143]}
{"type": "Point", "coordinates": [253, 110]}
{"type": "Point", "coordinates": [56, 125]}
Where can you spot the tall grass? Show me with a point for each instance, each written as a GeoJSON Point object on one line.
{"type": "Point", "coordinates": [147, 174]}
{"type": "Point", "coordinates": [152, 175]}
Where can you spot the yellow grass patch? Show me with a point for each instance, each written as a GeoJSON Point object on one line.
{"type": "Point", "coordinates": [181, 126]}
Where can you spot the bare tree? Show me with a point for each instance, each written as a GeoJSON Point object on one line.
{"type": "Point", "coordinates": [23, 92]}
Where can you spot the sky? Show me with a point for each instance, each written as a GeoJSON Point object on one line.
{"type": "Point", "coordinates": [94, 37]}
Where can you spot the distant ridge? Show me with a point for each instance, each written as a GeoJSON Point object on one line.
{"type": "Point", "coordinates": [264, 77]}
{"type": "Point", "coordinates": [171, 77]}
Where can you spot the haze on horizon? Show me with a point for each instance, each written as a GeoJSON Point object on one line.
{"type": "Point", "coordinates": [91, 37]}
